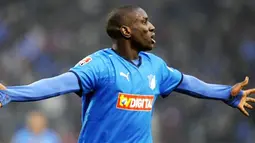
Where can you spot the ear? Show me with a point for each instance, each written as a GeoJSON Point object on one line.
{"type": "Point", "coordinates": [125, 31]}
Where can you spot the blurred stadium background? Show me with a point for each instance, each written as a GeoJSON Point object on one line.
{"type": "Point", "coordinates": [211, 39]}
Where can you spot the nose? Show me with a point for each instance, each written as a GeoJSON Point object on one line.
{"type": "Point", "coordinates": [151, 27]}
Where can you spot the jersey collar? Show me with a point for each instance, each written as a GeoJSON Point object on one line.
{"type": "Point", "coordinates": [139, 63]}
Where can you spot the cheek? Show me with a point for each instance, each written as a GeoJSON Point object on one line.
{"type": "Point", "coordinates": [140, 30]}
{"type": "Point", "coordinates": [145, 30]}
{"type": "Point", "coordinates": [139, 34]}
{"type": "Point", "coordinates": [143, 33]}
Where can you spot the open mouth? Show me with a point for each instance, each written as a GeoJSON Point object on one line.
{"type": "Point", "coordinates": [153, 41]}
{"type": "Point", "coordinates": [153, 38]}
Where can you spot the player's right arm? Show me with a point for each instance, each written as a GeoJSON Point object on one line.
{"type": "Point", "coordinates": [82, 77]}
{"type": "Point", "coordinates": [39, 90]}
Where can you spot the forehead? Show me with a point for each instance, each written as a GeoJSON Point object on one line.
{"type": "Point", "coordinates": [139, 14]}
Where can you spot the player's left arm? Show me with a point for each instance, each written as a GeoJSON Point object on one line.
{"type": "Point", "coordinates": [235, 96]}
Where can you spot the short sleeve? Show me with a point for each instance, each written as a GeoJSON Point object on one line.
{"type": "Point", "coordinates": [88, 72]}
{"type": "Point", "coordinates": [171, 78]}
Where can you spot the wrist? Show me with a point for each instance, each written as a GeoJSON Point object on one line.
{"type": "Point", "coordinates": [234, 101]}
{"type": "Point", "coordinates": [4, 98]}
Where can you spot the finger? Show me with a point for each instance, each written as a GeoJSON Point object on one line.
{"type": "Point", "coordinates": [244, 111]}
{"type": "Point", "coordinates": [239, 86]}
{"type": "Point", "coordinates": [2, 87]}
{"type": "Point", "coordinates": [0, 105]}
{"type": "Point", "coordinates": [250, 99]}
{"type": "Point", "coordinates": [248, 106]}
{"type": "Point", "coordinates": [250, 91]}
{"type": "Point", "coordinates": [245, 82]}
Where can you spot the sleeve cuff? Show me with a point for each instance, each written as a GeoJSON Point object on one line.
{"type": "Point", "coordinates": [4, 98]}
{"type": "Point", "coordinates": [234, 101]}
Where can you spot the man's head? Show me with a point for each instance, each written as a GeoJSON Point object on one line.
{"type": "Point", "coordinates": [131, 23]}
{"type": "Point", "coordinates": [36, 122]}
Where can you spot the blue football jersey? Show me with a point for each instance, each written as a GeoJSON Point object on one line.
{"type": "Point", "coordinates": [118, 96]}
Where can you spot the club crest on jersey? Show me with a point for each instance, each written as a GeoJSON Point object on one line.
{"type": "Point", "coordinates": [152, 81]}
{"type": "Point", "coordinates": [85, 61]}
{"type": "Point", "coordinates": [135, 102]}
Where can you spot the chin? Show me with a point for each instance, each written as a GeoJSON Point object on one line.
{"type": "Point", "coordinates": [149, 48]}
{"type": "Point", "coordinates": [146, 49]}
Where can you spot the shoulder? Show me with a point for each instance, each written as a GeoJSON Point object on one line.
{"type": "Point", "coordinates": [96, 58]}
{"type": "Point", "coordinates": [96, 63]}
{"type": "Point", "coordinates": [21, 133]}
{"type": "Point", "coordinates": [51, 133]}
{"type": "Point", "coordinates": [157, 62]}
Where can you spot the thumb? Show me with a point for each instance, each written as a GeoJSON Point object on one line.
{"type": "Point", "coordinates": [239, 86]}
{"type": "Point", "coordinates": [245, 82]}
{"type": "Point", "coordinates": [2, 87]}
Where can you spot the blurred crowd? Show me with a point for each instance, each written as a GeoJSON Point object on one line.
{"type": "Point", "coordinates": [213, 40]}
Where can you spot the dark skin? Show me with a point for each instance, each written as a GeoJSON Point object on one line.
{"type": "Point", "coordinates": [139, 36]}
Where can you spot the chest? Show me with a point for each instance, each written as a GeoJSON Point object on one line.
{"type": "Point", "coordinates": [143, 80]}
{"type": "Point", "coordinates": [36, 139]}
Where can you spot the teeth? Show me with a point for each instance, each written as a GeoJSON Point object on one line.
{"type": "Point", "coordinates": [153, 41]}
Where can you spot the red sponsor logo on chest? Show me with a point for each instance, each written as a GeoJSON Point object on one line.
{"type": "Point", "coordinates": [135, 102]}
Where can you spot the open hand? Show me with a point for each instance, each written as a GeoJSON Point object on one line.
{"type": "Point", "coordinates": [244, 99]}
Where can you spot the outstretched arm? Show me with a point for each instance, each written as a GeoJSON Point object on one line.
{"type": "Point", "coordinates": [172, 79]}
{"type": "Point", "coordinates": [232, 95]}
{"type": "Point", "coordinates": [42, 89]}
{"type": "Point", "coordinates": [192, 86]}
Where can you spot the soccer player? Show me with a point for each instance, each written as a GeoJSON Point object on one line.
{"type": "Point", "coordinates": [36, 130]}
{"type": "Point", "coordinates": [118, 86]}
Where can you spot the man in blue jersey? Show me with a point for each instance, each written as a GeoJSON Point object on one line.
{"type": "Point", "coordinates": [36, 131]}
{"type": "Point", "coordinates": [118, 86]}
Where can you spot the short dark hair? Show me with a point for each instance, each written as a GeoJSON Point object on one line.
{"type": "Point", "coordinates": [117, 18]}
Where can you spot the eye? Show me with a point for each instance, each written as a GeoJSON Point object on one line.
{"type": "Point", "coordinates": [145, 21]}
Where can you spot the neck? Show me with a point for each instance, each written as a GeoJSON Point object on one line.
{"type": "Point", "coordinates": [125, 49]}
